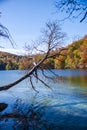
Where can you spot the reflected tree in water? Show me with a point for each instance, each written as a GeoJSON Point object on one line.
{"type": "Point", "coordinates": [26, 117]}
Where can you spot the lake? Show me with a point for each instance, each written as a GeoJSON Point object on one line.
{"type": "Point", "coordinates": [63, 106]}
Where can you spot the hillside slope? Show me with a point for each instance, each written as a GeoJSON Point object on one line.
{"type": "Point", "coordinates": [9, 61]}
{"type": "Point", "coordinates": [74, 57]}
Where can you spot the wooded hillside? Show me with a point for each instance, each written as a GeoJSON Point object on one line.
{"type": "Point", "coordinates": [74, 57]}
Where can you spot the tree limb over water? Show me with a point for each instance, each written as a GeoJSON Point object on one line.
{"type": "Point", "coordinates": [51, 40]}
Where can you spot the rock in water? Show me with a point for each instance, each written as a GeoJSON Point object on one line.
{"type": "Point", "coordinates": [3, 106]}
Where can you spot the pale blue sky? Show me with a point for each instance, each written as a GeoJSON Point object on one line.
{"type": "Point", "coordinates": [25, 19]}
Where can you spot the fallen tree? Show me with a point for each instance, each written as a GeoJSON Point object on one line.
{"type": "Point", "coordinates": [51, 40]}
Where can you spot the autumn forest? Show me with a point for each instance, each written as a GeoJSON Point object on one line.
{"type": "Point", "coordinates": [74, 56]}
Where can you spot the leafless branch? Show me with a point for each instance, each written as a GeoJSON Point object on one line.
{"type": "Point", "coordinates": [52, 37]}
{"type": "Point", "coordinates": [84, 17]}
{"type": "Point", "coordinates": [42, 82]}
{"type": "Point", "coordinates": [73, 8]}
{"type": "Point", "coordinates": [6, 87]}
{"type": "Point", "coordinates": [32, 84]}
{"type": "Point", "coordinates": [5, 33]}
{"type": "Point", "coordinates": [58, 53]}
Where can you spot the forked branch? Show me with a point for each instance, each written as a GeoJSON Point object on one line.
{"type": "Point", "coordinates": [51, 38]}
{"type": "Point", "coordinates": [73, 8]}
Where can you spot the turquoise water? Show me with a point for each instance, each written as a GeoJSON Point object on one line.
{"type": "Point", "coordinates": [63, 107]}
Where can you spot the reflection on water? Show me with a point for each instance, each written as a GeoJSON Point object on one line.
{"type": "Point", "coordinates": [62, 108]}
{"type": "Point", "coordinates": [78, 81]}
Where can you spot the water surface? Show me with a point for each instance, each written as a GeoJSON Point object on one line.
{"type": "Point", "coordinates": [64, 107]}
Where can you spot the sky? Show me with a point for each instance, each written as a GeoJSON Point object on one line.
{"type": "Point", "coordinates": [25, 19]}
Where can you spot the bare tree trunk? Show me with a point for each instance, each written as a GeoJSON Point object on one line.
{"type": "Point", "coordinates": [52, 38]}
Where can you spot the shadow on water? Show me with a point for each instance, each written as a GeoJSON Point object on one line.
{"type": "Point", "coordinates": [39, 116]}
